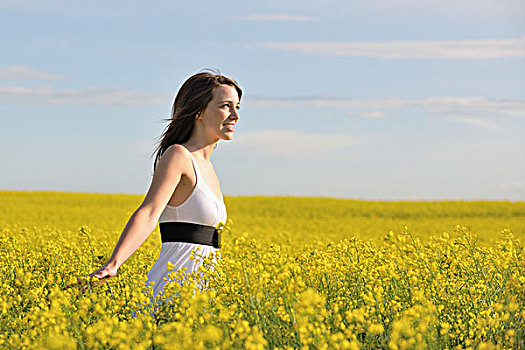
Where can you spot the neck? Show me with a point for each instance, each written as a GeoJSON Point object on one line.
{"type": "Point", "coordinates": [200, 142]}
{"type": "Point", "coordinates": [201, 146]}
{"type": "Point", "coordinates": [204, 151]}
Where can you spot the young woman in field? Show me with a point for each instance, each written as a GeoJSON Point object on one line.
{"type": "Point", "coordinates": [184, 196]}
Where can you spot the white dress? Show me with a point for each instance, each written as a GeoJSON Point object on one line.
{"type": "Point", "coordinates": [202, 207]}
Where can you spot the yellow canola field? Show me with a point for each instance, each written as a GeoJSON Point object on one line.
{"type": "Point", "coordinates": [309, 273]}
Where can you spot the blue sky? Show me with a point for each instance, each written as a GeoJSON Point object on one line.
{"type": "Point", "coordinates": [373, 100]}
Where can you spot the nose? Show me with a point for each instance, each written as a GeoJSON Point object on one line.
{"type": "Point", "coordinates": [235, 114]}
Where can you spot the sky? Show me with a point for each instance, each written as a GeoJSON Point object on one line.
{"type": "Point", "coordinates": [378, 100]}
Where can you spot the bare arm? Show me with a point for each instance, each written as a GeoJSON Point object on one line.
{"type": "Point", "coordinates": [171, 166]}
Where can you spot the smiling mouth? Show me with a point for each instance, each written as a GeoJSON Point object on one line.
{"type": "Point", "coordinates": [230, 127]}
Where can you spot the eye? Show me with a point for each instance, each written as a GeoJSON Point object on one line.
{"type": "Point", "coordinates": [238, 107]}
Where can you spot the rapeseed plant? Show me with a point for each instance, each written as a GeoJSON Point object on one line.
{"type": "Point", "coordinates": [399, 291]}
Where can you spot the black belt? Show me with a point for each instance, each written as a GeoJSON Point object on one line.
{"type": "Point", "coordinates": [190, 233]}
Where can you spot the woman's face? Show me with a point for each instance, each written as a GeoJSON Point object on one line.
{"type": "Point", "coordinates": [221, 113]}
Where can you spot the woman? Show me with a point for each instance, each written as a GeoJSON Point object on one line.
{"type": "Point", "coordinates": [184, 195]}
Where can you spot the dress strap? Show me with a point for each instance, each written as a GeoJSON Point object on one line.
{"type": "Point", "coordinates": [197, 170]}
{"type": "Point", "coordinates": [200, 180]}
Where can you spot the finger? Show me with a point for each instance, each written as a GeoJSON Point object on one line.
{"type": "Point", "coordinates": [101, 274]}
{"type": "Point", "coordinates": [104, 278]}
{"type": "Point", "coordinates": [93, 281]}
{"type": "Point", "coordinates": [99, 280]}
{"type": "Point", "coordinates": [84, 284]}
{"type": "Point", "coordinates": [68, 286]}
{"type": "Point", "coordinates": [75, 284]}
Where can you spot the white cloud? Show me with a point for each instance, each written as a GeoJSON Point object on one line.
{"type": "Point", "coordinates": [450, 106]}
{"type": "Point", "coordinates": [513, 185]}
{"type": "Point", "coordinates": [467, 110]}
{"type": "Point", "coordinates": [368, 114]}
{"type": "Point", "coordinates": [54, 96]}
{"type": "Point", "coordinates": [274, 17]}
{"type": "Point", "coordinates": [472, 106]}
{"type": "Point", "coordinates": [21, 72]}
{"type": "Point", "coordinates": [478, 9]}
{"type": "Point", "coordinates": [439, 49]}
{"type": "Point", "coordinates": [291, 143]}
{"type": "Point", "coordinates": [485, 124]}
{"type": "Point", "coordinates": [463, 9]}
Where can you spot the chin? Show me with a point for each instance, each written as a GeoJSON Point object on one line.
{"type": "Point", "coordinates": [227, 137]}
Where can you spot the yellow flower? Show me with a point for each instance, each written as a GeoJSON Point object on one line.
{"type": "Point", "coordinates": [170, 266]}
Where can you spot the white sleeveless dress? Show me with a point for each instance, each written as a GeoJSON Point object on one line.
{"type": "Point", "coordinates": [202, 207]}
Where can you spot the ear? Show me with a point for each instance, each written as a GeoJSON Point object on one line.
{"type": "Point", "coordinates": [198, 115]}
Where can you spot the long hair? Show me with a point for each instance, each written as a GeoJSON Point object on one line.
{"type": "Point", "coordinates": [192, 98]}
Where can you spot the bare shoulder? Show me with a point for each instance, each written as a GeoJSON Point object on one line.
{"type": "Point", "coordinates": [176, 157]}
{"type": "Point", "coordinates": [177, 151]}
{"type": "Point", "coordinates": [172, 165]}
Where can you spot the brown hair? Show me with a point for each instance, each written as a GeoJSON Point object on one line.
{"type": "Point", "coordinates": [192, 98]}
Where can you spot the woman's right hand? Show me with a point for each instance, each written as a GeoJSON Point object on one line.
{"type": "Point", "coordinates": [175, 162]}
{"type": "Point", "coordinates": [108, 270]}
{"type": "Point", "coordinates": [100, 275]}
